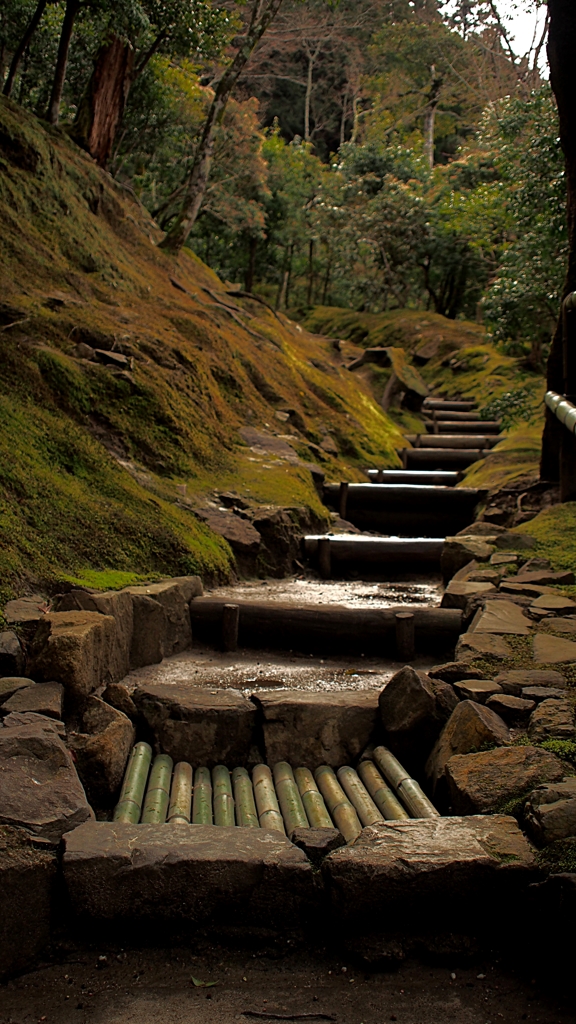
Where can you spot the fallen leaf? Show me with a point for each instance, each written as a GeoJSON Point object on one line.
{"type": "Point", "coordinates": [202, 984]}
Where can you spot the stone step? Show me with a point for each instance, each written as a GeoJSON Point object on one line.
{"type": "Point", "coordinates": [453, 440]}
{"type": "Point", "coordinates": [409, 510]}
{"type": "Point", "coordinates": [442, 478]}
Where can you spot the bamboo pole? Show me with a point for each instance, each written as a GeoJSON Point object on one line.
{"type": "Point", "coordinates": [266, 802]}
{"type": "Point", "coordinates": [246, 813]}
{"type": "Point", "coordinates": [381, 794]}
{"type": "Point", "coordinates": [129, 804]}
{"type": "Point", "coordinates": [158, 791]}
{"type": "Point", "coordinates": [341, 810]}
{"type": "Point", "coordinates": [407, 788]}
{"type": "Point", "coordinates": [181, 794]}
{"type": "Point", "coordinates": [289, 797]}
{"type": "Point", "coordinates": [359, 796]}
{"type": "Point", "coordinates": [312, 799]}
{"type": "Point", "coordinates": [202, 802]}
{"type": "Point", "coordinates": [222, 800]}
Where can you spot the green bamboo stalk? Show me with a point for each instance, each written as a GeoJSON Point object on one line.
{"type": "Point", "coordinates": [202, 801]}
{"type": "Point", "coordinates": [416, 801]}
{"type": "Point", "coordinates": [391, 769]}
{"type": "Point", "coordinates": [312, 799]}
{"type": "Point", "coordinates": [359, 796]}
{"type": "Point", "coordinates": [223, 800]}
{"type": "Point", "coordinates": [341, 810]}
{"type": "Point", "coordinates": [129, 805]}
{"type": "Point", "coordinates": [289, 798]}
{"type": "Point", "coordinates": [381, 794]}
{"type": "Point", "coordinates": [158, 791]}
{"type": "Point", "coordinates": [246, 814]}
{"type": "Point", "coordinates": [265, 796]}
{"type": "Point", "coordinates": [181, 794]}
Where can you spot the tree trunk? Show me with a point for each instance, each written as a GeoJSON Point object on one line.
{"type": "Point", "coordinates": [102, 105]}
{"type": "Point", "coordinates": [249, 278]}
{"type": "Point", "coordinates": [343, 118]}
{"type": "Point", "coordinates": [262, 16]}
{"type": "Point", "coordinates": [310, 272]}
{"type": "Point", "coordinates": [307, 98]}
{"type": "Point", "coordinates": [430, 116]}
{"type": "Point", "coordinates": [561, 49]}
{"type": "Point", "coordinates": [72, 8]}
{"type": "Point", "coordinates": [23, 46]}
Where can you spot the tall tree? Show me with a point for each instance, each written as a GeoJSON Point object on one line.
{"type": "Point", "coordinates": [23, 46]}
{"type": "Point", "coordinates": [70, 15]}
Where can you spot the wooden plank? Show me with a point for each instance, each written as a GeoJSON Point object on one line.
{"type": "Point", "coordinates": [480, 441]}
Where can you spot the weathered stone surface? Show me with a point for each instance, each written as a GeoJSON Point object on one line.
{"type": "Point", "coordinates": [550, 811]}
{"type": "Point", "coordinates": [552, 720]}
{"type": "Point", "coordinates": [543, 577]}
{"type": "Point", "coordinates": [307, 728]}
{"type": "Point", "coordinates": [477, 689]}
{"type": "Point", "coordinates": [554, 603]}
{"type": "Point", "coordinates": [523, 589]}
{"type": "Point", "coordinates": [118, 697]}
{"type": "Point", "coordinates": [192, 873]}
{"type": "Point", "coordinates": [452, 671]}
{"type": "Point", "coordinates": [201, 726]}
{"type": "Point", "coordinates": [458, 594]}
{"type": "Point", "coordinates": [485, 576]}
{"type": "Point", "coordinates": [514, 710]}
{"type": "Point", "coordinates": [241, 535]}
{"type": "Point", "coordinates": [535, 565]}
{"type": "Point", "coordinates": [39, 787]}
{"type": "Point", "coordinates": [44, 699]}
{"type": "Point", "coordinates": [75, 649]}
{"type": "Point", "coordinates": [515, 680]}
{"type": "Point", "coordinates": [540, 693]}
{"type": "Point", "coordinates": [481, 529]}
{"type": "Point", "coordinates": [18, 718]}
{"type": "Point", "coordinates": [25, 609]}
{"type": "Point", "coordinates": [564, 624]}
{"type": "Point", "coordinates": [12, 660]}
{"type": "Point", "coordinates": [118, 604]}
{"type": "Point", "coordinates": [484, 645]}
{"type": "Point", "coordinates": [469, 727]}
{"type": "Point", "coordinates": [174, 596]}
{"type": "Point", "coordinates": [518, 541]}
{"type": "Point", "coordinates": [11, 684]}
{"type": "Point", "coordinates": [149, 630]}
{"type": "Point", "coordinates": [413, 709]}
{"type": "Point", "coordinates": [430, 869]}
{"type": "Point", "coordinates": [27, 883]}
{"type": "Point", "coordinates": [101, 750]}
{"type": "Point", "coordinates": [481, 783]}
{"type": "Point", "coordinates": [458, 551]}
{"type": "Point", "coordinates": [503, 558]}
{"type": "Point", "coordinates": [553, 650]}
{"type": "Point", "coordinates": [317, 843]}
{"type": "Point", "coordinates": [501, 617]}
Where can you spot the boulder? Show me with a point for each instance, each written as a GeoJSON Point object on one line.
{"type": "Point", "coordinates": [535, 565]}
{"type": "Point", "coordinates": [118, 697]}
{"type": "Point", "coordinates": [516, 679]}
{"type": "Point", "coordinates": [458, 551]}
{"type": "Point", "coordinates": [118, 604]}
{"type": "Point", "coordinates": [514, 710]}
{"type": "Point", "coordinates": [477, 689]}
{"type": "Point", "coordinates": [204, 727]}
{"type": "Point", "coordinates": [18, 718]}
{"type": "Point", "coordinates": [241, 535]}
{"type": "Point", "coordinates": [460, 594]}
{"type": "Point", "coordinates": [429, 873]}
{"type": "Point", "coordinates": [485, 576]}
{"type": "Point", "coordinates": [487, 646]}
{"type": "Point", "coordinates": [27, 883]}
{"type": "Point", "coordinates": [469, 727]}
{"type": "Point", "coordinates": [550, 811]}
{"type": "Point", "coordinates": [12, 684]}
{"type": "Point", "coordinates": [40, 789]}
{"type": "Point", "coordinates": [481, 783]}
{"type": "Point", "coordinates": [174, 596]}
{"type": "Point", "coordinates": [43, 699]}
{"type": "Point", "coordinates": [556, 603]}
{"type": "Point", "coordinates": [101, 750]}
{"type": "Point", "coordinates": [452, 671]}
{"type": "Point", "coordinates": [76, 649]}
{"type": "Point", "coordinates": [413, 710]}
{"type": "Point", "coordinates": [25, 610]}
{"type": "Point", "coordinates": [553, 650]}
{"type": "Point", "coordinates": [149, 630]}
{"type": "Point", "coordinates": [501, 617]}
{"type": "Point", "coordinates": [308, 728]}
{"type": "Point", "coordinates": [12, 660]}
{"type": "Point", "coordinates": [193, 874]}
{"type": "Point", "coordinates": [552, 720]}
{"type": "Point", "coordinates": [519, 541]}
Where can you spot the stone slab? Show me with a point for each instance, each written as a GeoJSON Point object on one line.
{"type": "Point", "coordinates": [524, 589]}
{"type": "Point", "coordinates": [75, 649]}
{"type": "Point", "coordinates": [470, 726]}
{"type": "Point", "coordinates": [545, 578]}
{"type": "Point", "coordinates": [482, 645]}
{"type": "Point", "coordinates": [101, 750]}
{"type": "Point", "coordinates": [459, 594]}
{"type": "Point", "coordinates": [308, 728]}
{"type": "Point", "coordinates": [501, 617]}
{"type": "Point", "coordinates": [27, 883]}
{"type": "Point", "coordinates": [515, 680]}
{"type": "Point", "coordinates": [553, 603]}
{"type": "Point", "coordinates": [552, 720]}
{"type": "Point", "coordinates": [12, 660]}
{"type": "Point", "coordinates": [452, 671]}
{"type": "Point", "coordinates": [477, 689]}
{"type": "Point", "coordinates": [10, 684]}
{"type": "Point", "coordinates": [204, 727]}
{"type": "Point", "coordinates": [550, 811]}
{"type": "Point", "coordinates": [187, 873]}
{"type": "Point", "coordinates": [18, 718]}
{"type": "Point", "coordinates": [553, 650]}
{"type": "Point", "coordinates": [174, 595]}
{"type": "Point", "coordinates": [25, 609]}
{"type": "Point", "coordinates": [317, 843]}
{"type": "Point", "coordinates": [540, 693]}
{"type": "Point", "coordinates": [503, 558]}
{"type": "Point", "coordinates": [43, 699]}
{"type": "Point", "coordinates": [481, 783]}
{"type": "Point", "coordinates": [513, 710]}
{"type": "Point", "coordinates": [432, 872]}
{"type": "Point", "coordinates": [118, 604]}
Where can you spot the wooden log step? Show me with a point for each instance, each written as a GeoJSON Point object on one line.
{"type": "Point", "coordinates": [439, 458]}
{"type": "Point", "coordinates": [454, 406]}
{"type": "Point", "coordinates": [377, 552]}
{"type": "Point", "coordinates": [442, 478]}
{"type": "Point", "coordinates": [408, 510]}
{"type": "Point", "coordinates": [463, 426]}
{"type": "Point", "coordinates": [450, 414]}
{"type": "Point", "coordinates": [276, 625]}
{"type": "Point", "coordinates": [453, 440]}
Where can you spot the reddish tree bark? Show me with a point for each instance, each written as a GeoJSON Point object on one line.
{"type": "Point", "coordinates": [102, 105]}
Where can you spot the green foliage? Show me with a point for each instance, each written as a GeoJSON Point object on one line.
{"type": "Point", "coordinates": [511, 407]}
{"type": "Point", "coordinates": [559, 856]}
{"type": "Point", "coordinates": [564, 749]}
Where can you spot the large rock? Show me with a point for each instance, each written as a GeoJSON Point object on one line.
{"type": "Point", "coordinates": [556, 603]}
{"type": "Point", "coordinates": [12, 660]}
{"type": "Point", "coordinates": [553, 650]}
{"type": "Point", "coordinates": [502, 617]}
{"type": "Point", "coordinates": [204, 727]}
{"type": "Point", "coordinates": [413, 709]}
{"type": "Point", "coordinates": [17, 718]}
{"type": "Point", "coordinates": [552, 720]}
{"type": "Point", "coordinates": [482, 645]}
{"type": "Point", "coordinates": [27, 884]}
{"type": "Point", "coordinates": [481, 783]}
{"type": "Point", "coordinates": [514, 710]}
{"type": "Point", "coordinates": [550, 811]}
{"type": "Point", "coordinates": [462, 593]}
{"type": "Point", "coordinates": [12, 684]}
{"type": "Point", "coordinates": [149, 630]}
{"type": "Point", "coordinates": [540, 693]}
{"type": "Point", "coordinates": [174, 596]}
{"type": "Point", "coordinates": [543, 577]}
{"type": "Point", "coordinates": [39, 787]}
{"type": "Point", "coordinates": [76, 649]}
{"type": "Point", "coordinates": [118, 604]}
{"type": "Point", "coordinates": [477, 689]}
{"type": "Point", "coordinates": [453, 671]}
{"type": "Point", "coordinates": [196, 874]}
{"type": "Point", "coordinates": [242, 536]}
{"type": "Point", "coordinates": [25, 610]}
{"type": "Point", "coordinates": [307, 728]}
{"type": "Point", "coordinates": [101, 750]}
{"type": "Point", "coordinates": [515, 680]}
{"type": "Point", "coordinates": [429, 873]}
{"type": "Point", "coordinates": [458, 551]}
{"type": "Point", "coordinates": [43, 699]}
{"type": "Point", "coordinates": [118, 697]}
{"type": "Point", "coordinates": [469, 727]}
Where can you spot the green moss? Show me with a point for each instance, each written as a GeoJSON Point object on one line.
{"type": "Point", "coordinates": [109, 579]}
{"type": "Point", "coordinates": [554, 531]}
{"type": "Point", "coordinates": [559, 856]}
{"type": "Point", "coordinates": [564, 749]}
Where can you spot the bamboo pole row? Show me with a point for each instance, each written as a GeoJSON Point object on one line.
{"type": "Point", "coordinates": [282, 798]}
